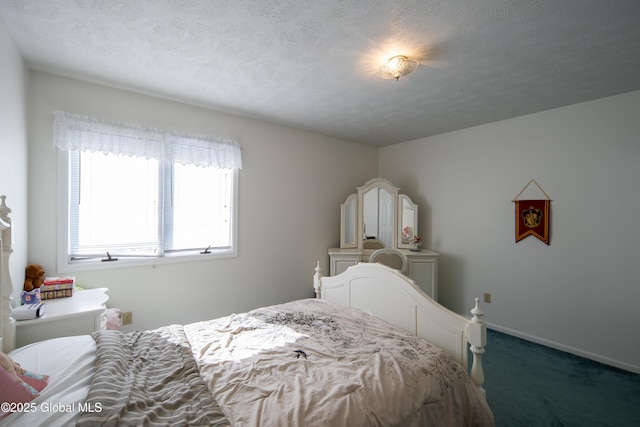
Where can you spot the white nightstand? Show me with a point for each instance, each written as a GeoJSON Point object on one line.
{"type": "Point", "coordinates": [81, 314]}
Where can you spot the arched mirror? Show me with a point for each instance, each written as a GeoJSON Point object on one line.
{"type": "Point", "coordinates": [408, 224]}
{"type": "Point", "coordinates": [377, 200]}
{"type": "Point", "coordinates": [349, 222]}
{"type": "Point", "coordinates": [378, 217]}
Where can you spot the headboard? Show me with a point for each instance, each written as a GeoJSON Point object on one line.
{"type": "Point", "coordinates": [386, 293]}
{"type": "Point", "coordinates": [7, 332]}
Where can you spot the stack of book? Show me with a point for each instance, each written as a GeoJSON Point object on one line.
{"type": "Point", "coordinates": [57, 287]}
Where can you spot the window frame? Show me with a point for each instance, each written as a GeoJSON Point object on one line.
{"type": "Point", "coordinates": [66, 265]}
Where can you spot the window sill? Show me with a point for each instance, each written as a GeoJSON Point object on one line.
{"type": "Point", "coordinates": [96, 264]}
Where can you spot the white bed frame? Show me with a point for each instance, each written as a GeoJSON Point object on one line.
{"type": "Point", "coordinates": [7, 331]}
{"type": "Point", "coordinates": [387, 294]}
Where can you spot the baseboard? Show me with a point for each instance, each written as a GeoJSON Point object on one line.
{"type": "Point", "coordinates": [558, 346]}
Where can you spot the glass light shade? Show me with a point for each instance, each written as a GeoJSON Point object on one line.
{"type": "Point", "coordinates": [398, 66]}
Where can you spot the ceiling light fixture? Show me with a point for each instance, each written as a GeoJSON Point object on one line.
{"type": "Point", "coordinates": [398, 66]}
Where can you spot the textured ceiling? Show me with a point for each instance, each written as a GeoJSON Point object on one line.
{"type": "Point", "coordinates": [312, 64]}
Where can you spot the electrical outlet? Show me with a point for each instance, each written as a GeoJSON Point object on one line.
{"type": "Point", "coordinates": [127, 318]}
{"type": "Point", "coordinates": [487, 297]}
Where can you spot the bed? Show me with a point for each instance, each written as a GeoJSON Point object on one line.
{"type": "Point", "coordinates": [370, 349]}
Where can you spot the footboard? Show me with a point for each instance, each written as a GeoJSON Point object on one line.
{"type": "Point", "coordinates": [387, 294]}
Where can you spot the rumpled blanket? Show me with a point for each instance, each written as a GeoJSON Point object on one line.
{"type": "Point", "coordinates": [148, 378]}
{"type": "Point", "coordinates": [314, 363]}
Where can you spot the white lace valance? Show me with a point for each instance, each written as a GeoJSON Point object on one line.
{"type": "Point", "coordinates": [77, 132]}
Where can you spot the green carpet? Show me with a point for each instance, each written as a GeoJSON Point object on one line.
{"type": "Point", "coordinates": [532, 385]}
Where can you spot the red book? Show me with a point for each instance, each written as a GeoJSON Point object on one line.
{"type": "Point", "coordinates": [59, 280]}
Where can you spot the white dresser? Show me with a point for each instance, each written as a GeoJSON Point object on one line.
{"type": "Point", "coordinates": [422, 266]}
{"type": "Point", "coordinates": [81, 314]}
{"type": "Point", "coordinates": [378, 216]}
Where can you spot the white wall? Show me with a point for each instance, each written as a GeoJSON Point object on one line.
{"type": "Point", "coordinates": [290, 190]}
{"type": "Point", "coordinates": [13, 148]}
{"type": "Point", "coordinates": [582, 292]}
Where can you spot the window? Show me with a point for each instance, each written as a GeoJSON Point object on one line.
{"type": "Point", "coordinates": [133, 194]}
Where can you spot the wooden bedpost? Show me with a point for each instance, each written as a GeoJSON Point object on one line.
{"type": "Point", "coordinates": [477, 339]}
{"type": "Point", "coordinates": [316, 279]}
{"type": "Point", "coordinates": [7, 338]}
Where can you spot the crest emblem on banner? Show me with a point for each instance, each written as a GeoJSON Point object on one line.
{"type": "Point", "coordinates": [532, 216]}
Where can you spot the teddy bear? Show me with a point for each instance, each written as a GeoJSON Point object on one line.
{"type": "Point", "coordinates": [34, 277]}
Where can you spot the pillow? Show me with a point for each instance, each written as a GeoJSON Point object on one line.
{"type": "Point", "coordinates": [13, 389]}
{"type": "Point", "coordinates": [18, 384]}
{"type": "Point", "coordinates": [36, 381]}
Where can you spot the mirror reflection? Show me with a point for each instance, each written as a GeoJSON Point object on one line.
{"type": "Point", "coordinates": [348, 238]}
{"type": "Point", "coordinates": [408, 221]}
{"type": "Point", "coordinates": [377, 216]}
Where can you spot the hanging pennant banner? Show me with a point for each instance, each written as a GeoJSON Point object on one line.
{"type": "Point", "coordinates": [532, 218]}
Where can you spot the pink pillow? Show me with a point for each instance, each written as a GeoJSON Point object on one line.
{"type": "Point", "coordinates": [37, 381]}
{"type": "Point", "coordinates": [14, 390]}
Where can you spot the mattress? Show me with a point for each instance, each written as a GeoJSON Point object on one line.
{"type": "Point", "coordinates": [69, 362]}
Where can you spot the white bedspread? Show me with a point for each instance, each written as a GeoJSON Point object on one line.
{"type": "Point", "coordinates": [69, 363]}
{"type": "Point", "coordinates": [311, 362]}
